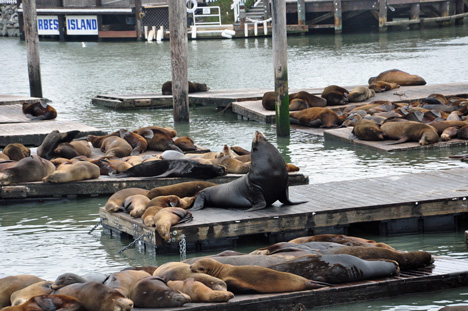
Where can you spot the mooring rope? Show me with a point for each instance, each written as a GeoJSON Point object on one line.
{"type": "Point", "coordinates": [148, 234]}
{"type": "Point", "coordinates": [95, 226]}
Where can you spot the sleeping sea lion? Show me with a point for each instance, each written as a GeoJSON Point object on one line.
{"type": "Point", "coordinates": [266, 182]}
{"type": "Point", "coordinates": [114, 146]}
{"type": "Point", "coordinates": [399, 77]}
{"type": "Point", "coordinates": [96, 141]}
{"type": "Point", "coordinates": [32, 168]}
{"type": "Point", "coordinates": [253, 279]}
{"type": "Point", "coordinates": [153, 292]}
{"type": "Point", "coordinates": [166, 217]}
{"type": "Point", "coordinates": [367, 130]}
{"type": "Point", "coordinates": [122, 281]}
{"type": "Point", "coordinates": [199, 292]}
{"type": "Point", "coordinates": [81, 170]}
{"type": "Point", "coordinates": [115, 201]}
{"type": "Point", "coordinates": [335, 95]}
{"type": "Point", "coordinates": [148, 215]}
{"type": "Point", "coordinates": [52, 140]}
{"type": "Point", "coordinates": [40, 288]}
{"type": "Point", "coordinates": [410, 131]}
{"type": "Point", "coordinates": [185, 143]}
{"type": "Point", "coordinates": [16, 151]}
{"type": "Point", "coordinates": [360, 94]}
{"type": "Point", "coordinates": [73, 149]}
{"type": "Point", "coordinates": [341, 239]}
{"type": "Point", "coordinates": [382, 86]}
{"type": "Point", "coordinates": [39, 111]}
{"type": "Point", "coordinates": [138, 142]}
{"type": "Point", "coordinates": [13, 283]}
{"type": "Point", "coordinates": [183, 189]}
{"type": "Point", "coordinates": [317, 117]}
{"type": "Point", "coordinates": [68, 278]}
{"type": "Point", "coordinates": [135, 204]}
{"type": "Point", "coordinates": [193, 87]}
{"type": "Point", "coordinates": [49, 302]}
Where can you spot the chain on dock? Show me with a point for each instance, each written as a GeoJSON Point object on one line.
{"type": "Point", "coordinates": [183, 248]}
{"type": "Point", "coordinates": [95, 226]}
{"type": "Point", "coordinates": [148, 234]}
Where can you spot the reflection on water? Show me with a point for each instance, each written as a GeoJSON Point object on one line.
{"type": "Point", "coordinates": [52, 237]}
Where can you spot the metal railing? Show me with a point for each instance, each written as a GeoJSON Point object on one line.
{"type": "Point", "coordinates": [207, 17]}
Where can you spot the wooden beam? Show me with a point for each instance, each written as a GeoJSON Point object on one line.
{"type": "Point", "coordinates": [301, 12]}
{"type": "Point", "coordinates": [321, 18]}
{"type": "Point", "coordinates": [138, 22]}
{"type": "Point", "coordinates": [179, 59]}
{"type": "Point", "coordinates": [280, 64]}
{"type": "Point", "coordinates": [32, 48]}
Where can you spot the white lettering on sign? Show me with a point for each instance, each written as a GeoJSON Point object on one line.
{"type": "Point", "coordinates": [82, 25]}
{"type": "Point", "coordinates": [47, 25]}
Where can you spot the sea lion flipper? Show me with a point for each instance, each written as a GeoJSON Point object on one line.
{"type": "Point", "coordinates": [400, 141]}
{"type": "Point", "coordinates": [261, 204]}
{"type": "Point", "coordinates": [199, 202]}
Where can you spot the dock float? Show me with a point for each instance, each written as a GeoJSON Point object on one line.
{"type": "Point", "coordinates": [410, 203]}
{"type": "Point", "coordinates": [444, 273]}
{"type": "Point", "coordinates": [106, 185]}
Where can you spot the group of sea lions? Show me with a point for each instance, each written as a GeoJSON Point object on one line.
{"type": "Point", "coordinates": [304, 263]}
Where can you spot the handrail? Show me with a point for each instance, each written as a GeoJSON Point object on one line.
{"type": "Point", "coordinates": [206, 13]}
{"type": "Point", "coordinates": [235, 6]}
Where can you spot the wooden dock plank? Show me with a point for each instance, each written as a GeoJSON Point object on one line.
{"type": "Point", "coordinates": [12, 113]}
{"type": "Point", "coordinates": [6, 99]}
{"type": "Point", "coordinates": [434, 193]}
{"type": "Point", "coordinates": [444, 273]}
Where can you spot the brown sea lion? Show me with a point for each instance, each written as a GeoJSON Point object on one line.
{"type": "Point", "coordinates": [382, 86]}
{"type": "Point", "coordinates": [135, 204]}
{"type": "Point", "coordinates": [122, 281]}
{"type": "Point", "coordinates": [81, 170]}
{"type": "Point", "coordinates": [138, 142]}
{"type": "Point", "coordinates": [241, 259]}
{"type": "Point", "coordinates": [13, 283]}
{"type": "Point", "coordinates": [32, 168]}
{"type": "Point", "coordinates": [153, 292]}
{"type": "Point", "coordinates": [199, 292]}
{"type": "Point", "coordinates": [39, 111]}
{"type": "Point", "coordinates": [310, 99]}
{"type": "Point", "coordinates": [185, 143]}
{"type": "Point", "coordinates": [179, 271]}
{"type": "Point", "coordinates": [165, 218]}
{"type": "Point", "coordinates": [4, 157]}
{"type": "Point", "coordinates": [114, 146]}
{"type": "Point", "coordinates": [67, 279]}
{"type": "Point", "coordinates": [399, 77]}
{"type": "Point", "coordinates": [449, 133]}
{"type": "Point", "coordinates": [360, 94]}
{"type": "Point", "coordinates": [337, 269]}
{"type": "Point", "coordinates": [410, 131]}
{"type": "Point", "coordinates": [48, 303]}
{"type": "Point", "coordinates": [317, 117]}
{"type": "Point", "coordinates": [73, 149]}
{"type": "Point", "coordinates": [52, 140]}
{"type": "Point", "coordinates": [367, 130]}
{"type": "Point", "coordinates": [40, 288]}
{"type": "Point", "coordinates": [340, 239]}
{"type": "Point", "coordinates": [112, 165]}
{"type": "Point", "coordinates": [440, 126]}
{"type": "Point", "coordinates": [115, 201]}
{"type": "Point", "coordinates": [16, 151]}
{"type": "Point", "coordinates": [239, 150]}
{"type": "Point", "coordinates": [6, 164]}
{"type": "Point", "coordinates": [248, 279]}
{"type": "Point", "coordinates": [463, 132]}
{"type": "Point", "coordinates": [96, 141]}
{"type": "Point", "coordinates": [171, 201]}
{"type": "Point", "coordinates": [265, 183]}
{"type": "Point", "coordinates": [232, 165]}
{"type": "Point", "coordinates": [268, 101]}
{"type": "Point", "coordinates": [149, 269]}
{"type": "Point", "coordinates": [148, 215]}
{"type": "Point", "coordinates": [335, 95]}
{"type": "Point", "coordinates": [183, 189]}
{"type": "Point", "coordinates": [406, 260]}
{"type": "Point", "coordinates": [97, 296]}
{"type": "Point", "coordinates": [193, 87]}
{"type": "Point", "coordinates": [297, 104]}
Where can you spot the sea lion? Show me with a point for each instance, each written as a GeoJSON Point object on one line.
{"type": "Point", "coordinates": [268, 101]}
{"type": "Point", "coordinates": [240, 151]}
{"type": "Point", "coordinates": [115, 201]}
{"type": "Point", "coordinates": [114, 146]}
{"type": "Point", "coordinates": [266, 182]}
{"type": "Point", "coordinates": [185, 143]}
{"type": "Point", "coordinates": [40, 288]}
{"type": "Point", "coordinates": [135, 204]}
{"type": "Point", "coordinates": [179, 271]}
{"type": "Point", "coordinates": [367, 130]}
{"type": "Point", "coordinates": [81, 170]}
{"type": "Point", "coordinates": [382, 86]}
{"type": "Point", "coordinates": [49, 303]}
{"type": "Point", "coordinates": [32, 168]}
{"type": "Point", "coordinates": [122, 281]}
{"type": "Point", "coordinates": [410, 131]}
{"type": "Point", "coordinates": [335, 95]}
{"type": "Point", "coordinates": [97, 296]}
{"type": "Point", "coordinates": [52, 140]}
{"type": "Point", "coordinates": [193, 87]}
{"type": "Point", "coordinates": [256, 279]}
{"type": "Point", "coordinates": [153, 292]}
{"type": "Point", "coordinates": [449, 133]}
{"type": "Point", "coordinates": [406, 260]}
{"type": "Point", "coordinates": [4, 157]}
{"type": "Point", "coordinates": [297, 101]}
{"type": "Point", "coordinates": [148, 215]}
{"type": "Point", "coordinates": [165, 218]}
{"type": "Point", "coordinates": [183, 189]}
{"type": "Point", "coordinates": [239, 259]}
{"type": "Point", "coordinates": [171, 201]}
{"type": "Point", "coordinates": [340, 239]}
{"type": "Point", "coordinates": [6, 164]}
{"type": "Point", "coordinates": [309, 99]}
{"type": "Point", "coordinates": [232, 165]}
{"type": "Point", "coordinates": [174, 168]}
{"type": "Point", "coordinates": [16, 151]}
{"type": "Point", "coordinates": [112, 165]}
{"type": "Point", "coordinates": [360, 94]}
{"type": "Point", "coordinates": [399, 77]}
{"type": "Point", "coordinates": [149, 269]}
{"type": "Point", "coordinates": [71, 278]}
{"type": "Point", "coordinates": [337, 269]}
{"type": "Point", "coordinates": [96, 141]}
{"type": "Point", "coordinates": [39, 111]}
{"type": "Point", "coordinates": [440, 126]}
{"type": "Point", "coordinates": [73, 149]}
{"type": "Point", "coordinates": [463, 132]}
{"type": "Point", "coordinates": [317, 117]}
{"type": "Point", "coordinates": [13, 283]}
{"type": "Point", "coordinates": [138, 142]}
{"type": "Point", "coordinates": [297, 104]}
{"type": "Point", "coordinates": [199, 292]}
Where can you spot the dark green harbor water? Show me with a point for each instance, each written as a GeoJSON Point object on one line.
{"type": "Point", "coordinates": [49, 238]}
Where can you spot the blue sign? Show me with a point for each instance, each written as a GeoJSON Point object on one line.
{"type": "Point", "coordinates": [82, 25]}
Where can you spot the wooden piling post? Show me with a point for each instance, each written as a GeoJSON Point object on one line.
{"type": "Point", "coordinates": [445, 11]}
{"type": "Point", "coordinates": [338, 16]}
{"type": "Point", "coordinates": [32, 47]}
{"type": "Point", "coordinates": [138, 20]}
{"type": "Point", "coordinates": [280, 64]}
{"type": "Point", "coordinates": [382, 15]}
{"type": "Point", "coordinates": [301, 12]}
{"type": "Point", "coordinates": [414, 14]}
{"type": "Point", "coordinates": [179, 59]}
{"type": "Point", "coordinates": [459, 9]}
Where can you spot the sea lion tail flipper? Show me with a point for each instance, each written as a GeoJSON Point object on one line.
{"type": "Point", "coordinates": [352, 136]}
{"type": "Point", "coordinates": [404, 139]}
{"type": "Point", "coordinates": [174, 147]}
{"type": "Point", "coordinates": [45, 303]}
{"type": "Point", "coordinates": [286, 201]}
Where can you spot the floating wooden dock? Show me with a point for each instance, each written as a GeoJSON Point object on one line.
{"type": "Point", "coordinates": [105, 185]}
{"type": "Point", "coordinates": [411, 203]}
{"type": "Point", "coordinates": [444, 273]}
{"type": "Point", "coordinates": [15, 127]}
